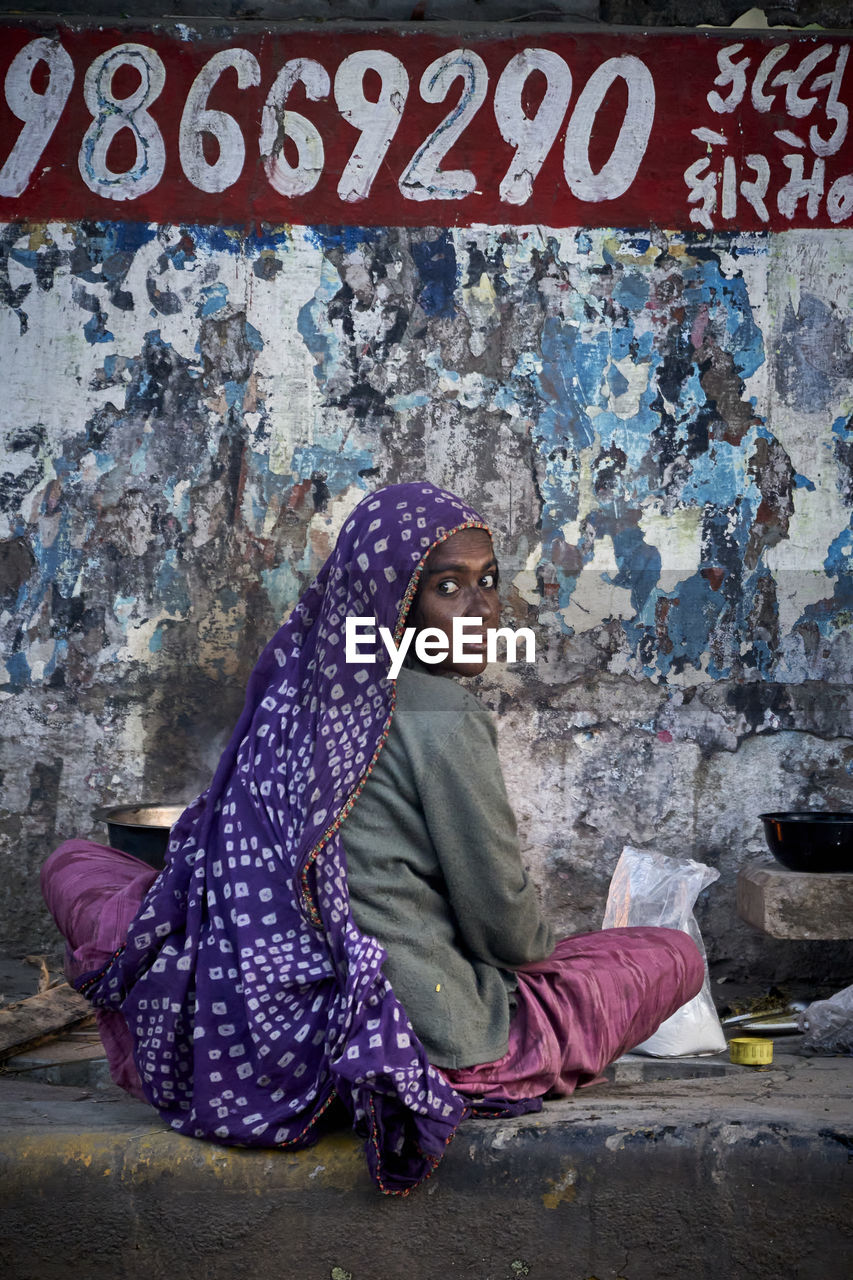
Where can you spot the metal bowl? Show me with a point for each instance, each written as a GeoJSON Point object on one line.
{"type": "Point", "coordinates": [141, 829]}
{"type": "Point", "coordinates": [807, 841]}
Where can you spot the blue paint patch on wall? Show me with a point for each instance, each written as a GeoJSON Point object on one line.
{"type": "Point", "coordinates": [437, 269]}
{"type": "Point", "coordinates": [214, 298]}
{"type": "Point", "coordinates": [350, 239]}
{"type": "Point", "coordinates": [234, 393]}
{"type": "Point", "coordinates": [632, 291]}
{"type": "Point", "coordinates": [839, 559]}
{"type": "Point", "coordinates": [313, 327]}
{"type": "Point", "coordinates": [19, 670]}
{"type": "Point", "coordinates": [728, 297]}
{"type": "Point", "coordinates": [95, 330]}
{"type": "Point", "coordinates": [719, 476]}
{"type": "Point", "coordinates": [581, 386]}
{"type": "Point", "coordinates": [639, 565]}
{"type": "Point", "coordinates": [107, 249]}
{"type": "Point", "coordinates": [568, 381]}
{"type": "Point", "coordinates": [339, 466]}
{"type": "Point", "coordinates": [696, 614]}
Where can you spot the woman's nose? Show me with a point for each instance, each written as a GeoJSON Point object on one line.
{"type": "Point", "coordinates": [488, 605]}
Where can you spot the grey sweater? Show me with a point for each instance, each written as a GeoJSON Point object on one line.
{"type": "Point", "coordinates": [435, 872]}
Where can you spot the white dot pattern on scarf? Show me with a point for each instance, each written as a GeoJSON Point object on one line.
{"type": "Point", "coordinates": [251, 996]}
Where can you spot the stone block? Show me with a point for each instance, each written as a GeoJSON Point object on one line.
{"type": "Point", "coordinates": [799, 905]}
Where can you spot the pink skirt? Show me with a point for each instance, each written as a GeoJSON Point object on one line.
{"type": "Point", "coordinates": [93, 893]}
{"type": "Point", "coordinates": [594, 998]}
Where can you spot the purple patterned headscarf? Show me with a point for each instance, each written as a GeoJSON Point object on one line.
{"type": "Point", "coordinates": [252, 998]}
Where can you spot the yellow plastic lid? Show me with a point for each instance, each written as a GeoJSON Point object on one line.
{"type": "Point", "coordinates": [750, 1051]}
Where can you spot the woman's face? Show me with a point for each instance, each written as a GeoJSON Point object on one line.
{"type": "Point", "coordinates": [460, 580]}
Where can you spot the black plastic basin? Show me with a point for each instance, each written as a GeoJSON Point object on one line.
{"type": "Point", "coordinates": [807, 841]}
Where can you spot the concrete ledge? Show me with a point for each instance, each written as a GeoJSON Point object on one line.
{"type": "Point", "coordinates": [741, 1175]}
{"type": "Point", "coordinates": [796, 904]}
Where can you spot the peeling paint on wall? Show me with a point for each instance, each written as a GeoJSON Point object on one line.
{"type": "Point", "coordinates": [609, 373]}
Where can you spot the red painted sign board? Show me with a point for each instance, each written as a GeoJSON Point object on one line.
{"type": "Point", "coordinates": [382, 126]}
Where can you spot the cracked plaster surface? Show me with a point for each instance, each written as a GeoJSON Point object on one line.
{"type": "Point", "coordinates": [190, 415]}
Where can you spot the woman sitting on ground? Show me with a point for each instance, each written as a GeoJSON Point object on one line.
{"type": "Point", "coordinates": [344, 913]}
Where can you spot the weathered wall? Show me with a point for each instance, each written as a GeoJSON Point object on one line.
{"type": "Point", "coordinates": [175, 472]}
{"type": "Point", "coordinates": [659, 426]}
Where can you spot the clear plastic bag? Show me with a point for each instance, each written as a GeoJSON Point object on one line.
{"type": "Point", "coordinates": [652, 889]}
{"type": "Point", "coordinates": [828, 1024]}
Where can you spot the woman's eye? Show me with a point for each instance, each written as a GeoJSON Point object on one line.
{"type": "Point", "coordinates": [447, 588]}
{"type": "Point", "coordinates": [489, 581]}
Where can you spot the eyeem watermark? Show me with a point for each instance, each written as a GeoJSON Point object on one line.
{"type": "Point", "coordinates": [431, 644]}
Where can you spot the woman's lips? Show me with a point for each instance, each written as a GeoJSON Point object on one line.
{"type": "Point", "coordinates": [472, 645]}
